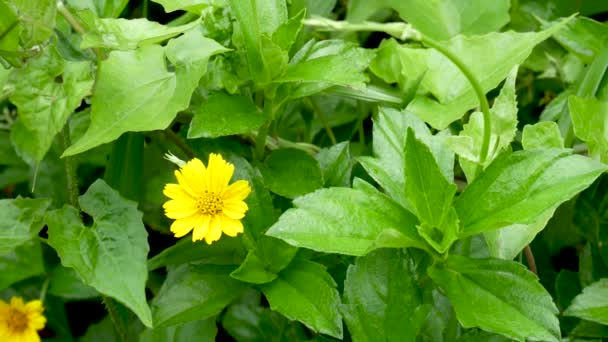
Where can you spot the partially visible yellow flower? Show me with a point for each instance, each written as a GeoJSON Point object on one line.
{"type": "Point", "coordinates": [204, 202]}
{"type": "Point", "coordinates": [19, 322]}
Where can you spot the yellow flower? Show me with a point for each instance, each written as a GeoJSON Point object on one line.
{"type": "Point", "coordinates": [204, 201]}
{"type": "Point", "coordinates": [19, 321]}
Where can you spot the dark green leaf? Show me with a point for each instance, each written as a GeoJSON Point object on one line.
{"type": "Point", "coordinates": [305, 292]}
{"type": "Point", "coordinates": [66, 284]}
{"type": "Point", "coordinates": [200, 331]}
{"type": "Point", "coordinates": [488, 293]}
{"type": "Point", "coordinates": [109, 256]}
{"type": "Point", "coordinates": [21, 221]}
{"type": "Point", "coordinates": [22, 262]}
{"type": "Point", "coordinates": [264, 262]}
{"type": "Point", "coordinates": [291, 173]}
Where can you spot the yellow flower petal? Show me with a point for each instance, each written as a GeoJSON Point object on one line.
{"type": "Point", "coordinates": [182, 182]}
{"type": "Point", "coordinates": [183, 226]}
{"type": "Point", "coordinates": [175, 191]}
{"type": "Point", "coordinates": [235, 209]}
{"type": "Point", "coordinates": [220, 172]}
{"type": "Point", "coordinates": [194, 174]}
{"type": "Point", "coordinates": [177, 209]}
{"type": "Point", "coordinates": [215, 229]}
{"type": "Point", "coordinates": [201, 229]}
{"type": "Point", "coordinates": [237, 191]}
{"type": "Point", "coordinates": [231, 227]}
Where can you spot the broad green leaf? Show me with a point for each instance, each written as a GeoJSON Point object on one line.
{"type": "Point", "coordinates": [21, 221]}
{"type": "Point", "coordinates": [103, 8]}
{"type": "Point", "coordinates": [336, 164]}
{"type": "Point", "coordinates": [24, 261]}
{"type": "Point", "coordinates": [223, 114]}
{"type": "Point", "coordinates": [592, 304]}
{"type": "Point", "coordinates": [347, 221]}
{"type": "Point", "coordinates": [202, 330]}
{"type": "Point", "coordinates": [127, 34]}
{"type": "Point", "coordinates": [109, 256]}
{"type": "Point", "coordinates": [388, 145]}
{"type": "Point", "coordinates": [501, 51]}
{"type": "Point", "coordinates": [582, 36]}
{"type": "Point", "coordinates": [498, 296]}
{"type": "Point", "coordinates": [36, 20]}
{"type": "Point", "coordinates": [254, 323]}
{"type": "Point", "coordinates": [9, 31]}
{"type": "Point", "coordinates": [262, 264]}
{"type": "Point", "coordinates": [291, 173]}
{"type": "Point", "coordinates": [66, 284]}
{"type": "Point", "coordinates": [305, 292]}
{"type": "Point", "coordinates": [47, 90]}
{"type": "Point", "coordinates": [544, 134]}
{"type": "Point", "coordinates": [226, 251]}
{"type": "Point", "coordinates": [503, 123]}
{"type": "Point", "coordinates": [431, 195]}
{"type": "Point", "coordinates": [519, 187]}
{"type": "Point", "coordinates": [135, 92]}
{"type": "Point", "coordinates": [590, 122]}
{"type": "Point", "coordinates": [192, 6]}
{"type": "Point", "coordinates": [194, 292]}
{"type": "Point", "coordinates": [257, 20]}
{"type": "Point", "coordinates": [379, 289]}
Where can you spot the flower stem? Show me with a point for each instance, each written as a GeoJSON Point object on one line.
{"type": "Point", "coordinates": [530, 259]}
{"type": "Point", "coordinates": [70, 171]}
{"type": "Point", "coordinates": [177, 141]}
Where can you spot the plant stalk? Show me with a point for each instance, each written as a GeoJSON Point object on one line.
{"type": "Point", "coordinates": [530, 259]}
{"type": "Point", "coordinates": [323, 117]}
{"type": "Point", "coordinates": [70, 171]}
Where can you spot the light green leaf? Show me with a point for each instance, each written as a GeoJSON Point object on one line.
{"type": "Point", "coordinates": [223, 114]}
{"type": "Point", "coordinates": [590, 122]}
{"type": "Point", "coordinates": [47, 90]}
{"type": "Point", "coordinates": [592, 304]}
{"type": "Point", "coordinates": [307, 293]}
{"type": "Point", "coordinates": [109, 256]}
{"type": "Point", "coordinates": [36, 20]}
{"type": "Point", "coordinates": [379, 288]}
{"type": "Point", "coordinates": [347, 221]}
{"type": "Point", "coordinates": [431, 195]}
{"type": "Point", "coordinates": [336, 164]}
{"type": "Point", "coordinates": [103, 8]}
{"type": "Point", "coordinates": [519, 187]}
{"type": "Point", "coordinates": [21, 221]}
{"type": "Point", "coordinates": [498, 296]}
{"type": "Point", "coordinates": [200, 331]}
{"type": "Point", "coordinates": [286, 34]}
{"type": "Point", "coordinates": [194, 292]}
{"type": "Point", "coordinates": [291, 173]}
{"type": "Point", "coordinates": [544, 134]}
{"type": "Point", "coordinates": [582, 36]}
{"type": "Point", "coordinates": [22, 262]}
{"type": "Point", "coordinates": [192, 6]}
{"type": "Point", "coordinates": [127, 34]}
{"type": "Point", "coordinates": [501, 52]}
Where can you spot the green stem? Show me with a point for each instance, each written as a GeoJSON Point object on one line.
{"type": "Point", "coordinates": [323, 118]}
{"type": "Point", "coordinates": [43, 290]}
{"type": "Point", "coordinates": [481, 96]}
{"type": "Point", "coordinates": [175, 139]}
{"type": "Point", "coordinates": [70, 171]}
{"type": "Point", "coordinates": [260, 141]}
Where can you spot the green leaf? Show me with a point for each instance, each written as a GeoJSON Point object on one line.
{"type": "Point", "coordinates": [24, 261]}
{"type": "Point", "coordinates": [291, 173]}
{"type": "Point", "coordinates": [286, 34]}
{"type": "Point", "coordinates": [47, 90]}
{"type": "Point", "coordinates": [257, 20]}
{"type": "Point", "coordinates": [590, 122]}
{"type": "Point", "coordinates": [226, 251]}
{"type": "Point", "coordinates": [431, 195]}
{"type": "Point", "coordinates": [307, 293]}
{"type": "Point", "coordinates": [347, 221]}
{"type": "Point", "coordinates": [192, 6]}
{"type": "Point", "coordinates": [503, 123]}
{"type": "Point", "coordinates": [109, 256]}
{"type": "Point", "coordinates": [202, 330]}
{"type": "Point", "coordinates": [501, 51]}
{"type": "Point", "coordinates": [103, 8]}
{"type": "Point", "coordinates": [262, 264]}
{"type": "Point", "coordinates": [379, 288]}
{"type": "Point", "coordinates": [194, 292]}
{"type": "Point", "coordinates": [519, 187]}
{"type": "Point", "coordinates": [592, 304]}
{"type": "Point", "coordinates": [66, 284]}
{"type": "Point", "coordinates": [223, 114]}
{"type": "Point", "coordinates": [544, 134]}
{"type": "Point", "coordinates": [487, 293]}
{"type": "Point", "coordinates": [336, 164]}
{"type": "Point", "coordinates": [582, 36]}
{"type": "Point", "coordinates": [36, 20]}
{"type": "Point", "coordinates": [21, 221]}
{"type": "Point", "coordinates": [126, 34]}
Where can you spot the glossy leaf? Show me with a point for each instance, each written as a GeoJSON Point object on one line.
{"type": "Point", "coordinates": [592, 304]}
{"type": "Point", "coordinates": [291, 173]}
{"type": "Point", "coordinates": [307, 293]}
{"type": "Point", "coordinates": [519, 187]}
{"type": "Point", "coordinates": [498, 296]}
{"type": "Point", "coordinates": [379, 288]}
{"type": "Point", "coordinates": [109, 256]}
{"type": "Point", "coordinates": [347, 221]}
{"type": "Point", "coordinates": [223, 114]}
{"type": "Point", "coordinates": [590, 122]}
{"type": "Point", "coordinates": [21, 221]}
{"type": "Point", "coordinates": [194, 292]}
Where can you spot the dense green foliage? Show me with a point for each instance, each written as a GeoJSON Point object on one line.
{"type": "Point", "coordinates": [421, 170]}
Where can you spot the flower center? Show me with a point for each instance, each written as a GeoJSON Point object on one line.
{"type": "Point", "coordinates": [17, 321]}
{"type": "Point", "coordinates": [209, 203]}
